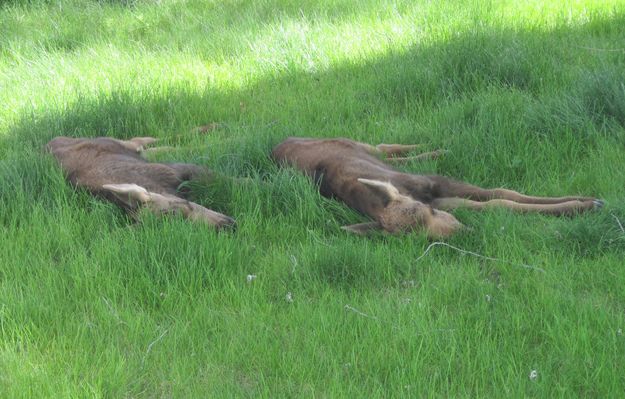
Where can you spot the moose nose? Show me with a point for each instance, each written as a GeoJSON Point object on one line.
{"type": "Point", "coordinates": [443, 225]}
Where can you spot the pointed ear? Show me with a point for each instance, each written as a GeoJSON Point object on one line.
{"type": "Point", "coordinates": [386, 189]}
{"type": "Point", "coordinates": [130, 194]}
{"type": "Point", "coordinates": [362, 228]}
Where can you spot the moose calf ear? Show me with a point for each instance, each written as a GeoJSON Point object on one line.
{"type": "Point", "coordinates": [362, 228]}
{"type": "Point", "coordinates": [386, 189]}
{"type": "Point", "coordinates": [130, 194]}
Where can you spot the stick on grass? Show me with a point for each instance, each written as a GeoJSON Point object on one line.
{"type": "Point", "coordinates": [464, 252]}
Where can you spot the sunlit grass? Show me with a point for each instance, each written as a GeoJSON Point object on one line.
{"type": "Point", "coordinates": [526, 95]}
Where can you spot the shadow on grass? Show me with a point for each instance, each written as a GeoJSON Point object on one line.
{"type": "Point", "coordinates": [509, 105]}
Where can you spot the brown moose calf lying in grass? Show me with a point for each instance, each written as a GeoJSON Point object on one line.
{"type": "Point", "coordinates": [400, 201]}
{"type": "Point", "coordinates": [115, 170]}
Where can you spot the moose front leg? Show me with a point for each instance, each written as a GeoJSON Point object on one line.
{"type": "Point", "coordinates": [157, 150]}
{"type": "Point", "coordinates": [141, 145]}
{"type": "Point", "coordinates": [137, 144]}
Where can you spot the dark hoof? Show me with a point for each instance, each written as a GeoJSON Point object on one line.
{"type": "Point", "coordinates": [226, 224]}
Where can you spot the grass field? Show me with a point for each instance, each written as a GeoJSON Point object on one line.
{"type": "Point", "coordinates": [527, 95]}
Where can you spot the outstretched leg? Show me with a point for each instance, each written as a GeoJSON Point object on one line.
{"type": "Point", "coordinates": [390, 152]}
{"type": "Point", "coordinates": [134, 196]}
{"type": "Point", "coordinates": [387, 149]}
{"type": "Point", "coordinates": [449, 188]}
{"type": "Point", "coordinates": [137, 144]}
{"type": "Point", "coordinates": [560, 209]}
{"type": "Point", "coordinates": [421, 157]}
{"type": "Point", "coordinates": [396, 149]}
{"type": "Point", "coordinates": [157, 150]}
{"type": "Point", "coordinates": [140, 145]}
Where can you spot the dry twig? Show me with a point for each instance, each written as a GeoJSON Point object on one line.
{"type": "Point", "coordinates": [352, 309]}
{"type": "Point", "coordinates": [601, 49]}
{"type": "Point", "coordinates": [147, 352]}
{"type": "Point", "coordinates": [464, 252]}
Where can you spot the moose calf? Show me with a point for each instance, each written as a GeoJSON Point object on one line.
{"type": "Point", "coordinates": [400, 201]}
{"type": "Point", "coordinates": [115, 170]}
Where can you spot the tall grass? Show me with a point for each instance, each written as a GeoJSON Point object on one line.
{"type": "Point", "coordinates": [526, 95]}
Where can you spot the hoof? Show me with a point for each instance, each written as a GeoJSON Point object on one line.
{"type": "Point", "coordinates": [598, 204]}
{"type": "Point", "coordinates": [226, 224]}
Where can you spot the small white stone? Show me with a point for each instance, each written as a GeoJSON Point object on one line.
{"type": "Point", "coordinates": [289, 297]}
{"type": "Point", "coordinates": [251, 277]}
{"type": "Point", "coordinates": [533, 375]}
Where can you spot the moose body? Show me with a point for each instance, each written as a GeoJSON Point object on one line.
{"type": "Point", "coordinates": [397, 201]}
{"type": "Point", "coordinates": [115, 170]}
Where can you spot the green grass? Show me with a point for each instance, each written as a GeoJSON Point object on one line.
{"type": "Point", "coordinates": [528, 95]}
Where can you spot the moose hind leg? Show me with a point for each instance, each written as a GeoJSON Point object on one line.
{"type": "Point", "coordinates": [528, 199]}
{"type": "Point", "coordinates": [426, 156]}
{"type": "Point", "coordinates": [396, 149]}
{"type": "Point", "coordinates": [567, 208]}
{"type": "Point", "coordinates": [449, 188]}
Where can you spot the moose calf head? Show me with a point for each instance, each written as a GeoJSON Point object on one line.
{"type": "Point", "coordinates": [115, 170]}
{"type": "Point", "coordinates": [402, 213]}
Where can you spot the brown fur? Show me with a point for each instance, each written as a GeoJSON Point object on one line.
{"type": "Point", "coordinates": [114, 169]}
{"type": "Point", "coordinates": [397, 201]}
